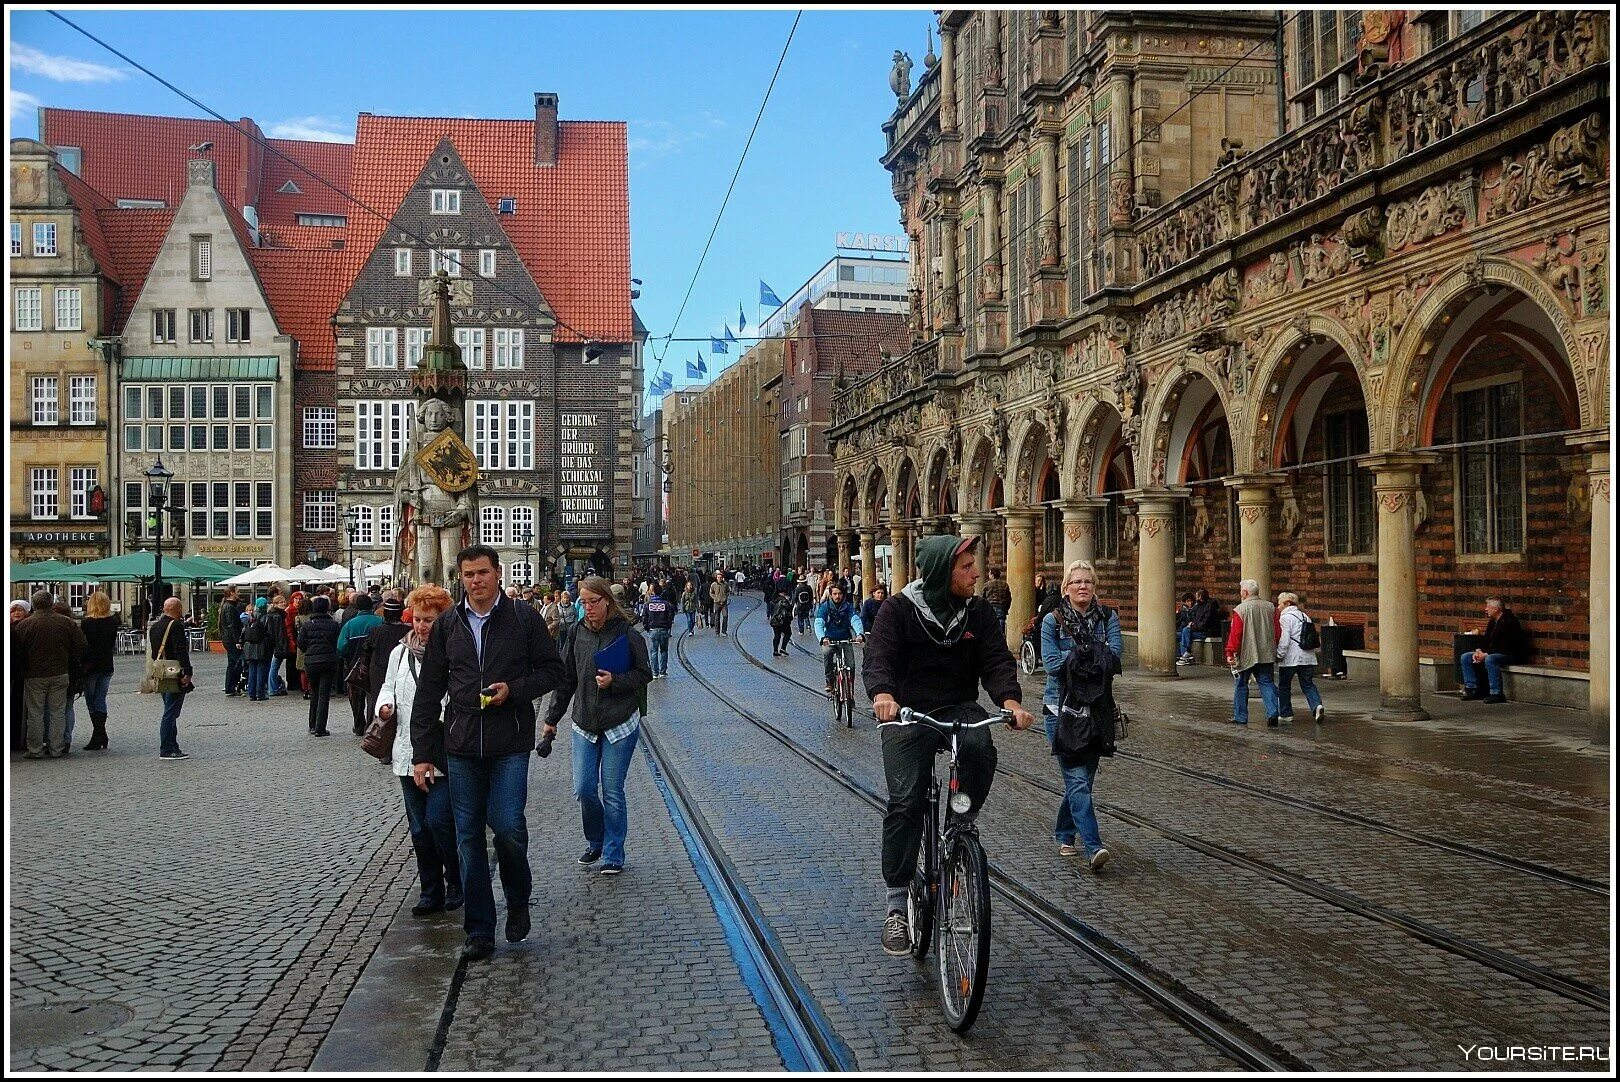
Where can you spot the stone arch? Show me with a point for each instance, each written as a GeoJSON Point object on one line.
{"type": "Point", "coordinates": [1298, 349]}
{"type": "Point", "coordinates": [874, 497]}
{"type": "Point", "coordinates": [1032, 451]}
{"type": "Point", "coordinates": [1099, 437]}
{"type": "Point", "coordinates": [1418, 356]}
{"type": "Point", "coordinates": [905, 500]}
{"type": "Point", "coordinates": [978, 476]}
{"type": "Point", "coordinates": [848, 501]}
{"type": "Point", "coordinates": [1167, 426]}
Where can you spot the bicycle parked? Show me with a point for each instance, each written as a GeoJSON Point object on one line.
{"type": "Point", "coordinates": [952, 884]}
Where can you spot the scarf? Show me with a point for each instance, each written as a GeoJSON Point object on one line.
{"type": "Point", "coordinates": [417, 646]}
{"type": "Point", "coordinates": [1079, 626]}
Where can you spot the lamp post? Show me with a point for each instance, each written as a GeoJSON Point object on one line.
{"type": "Point", "coordinates": [351, 524]}
{"type": "Point", "coordinates": [528, 544]}
{"type": "Point", "coordinates": [158, 476]}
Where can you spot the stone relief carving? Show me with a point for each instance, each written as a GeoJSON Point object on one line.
{"type": "Point", "coordinates": [1563, 276]}
{"type": "Point", "coordinates": [1435, 211]}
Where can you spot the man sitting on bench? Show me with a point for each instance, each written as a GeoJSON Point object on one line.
{"type": "Point", "coordinates": [1504, 644]}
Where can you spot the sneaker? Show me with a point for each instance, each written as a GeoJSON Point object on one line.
{"type": "Point", "coordinates": [1289, 718]}
{"type": "Point", "coordinates": [517, 924]}
{"type": "Point", "coordinates": [1235, 721]}
{"type": "Point", "coordinates": [590, 856]}
{"type": "Point", "coordinates": [38, 755]}
{"type": "Point", "coordinates": [1098, 859]}
{"type": "Point", "coordinates": [477, 949]}
{"type": "Point", "coordinates": [1321, 712]}
{"type": "Point", "coordinates": [612, 869]}
{"type": "Point", "coordinates": [174, 755]}
{"type": "Point", "coordinates": [1494, 698]}
{"type": "Point", "coordinates": [1067, 849]}
{"type": "Point", "coordinates": [1271, 723]}
{"type": "Point", "coordinates": [896, 934]}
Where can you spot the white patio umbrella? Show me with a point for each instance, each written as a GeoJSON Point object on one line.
{"type": "Point", "coordinates": [384, 570]}
{"type": "Point", "coordinates": [262, 575]}
{"type": "Point", "coordinates": [304, 573]}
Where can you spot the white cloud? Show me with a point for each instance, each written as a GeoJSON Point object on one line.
{"type": "Point", "coordinates": [21, 106]}
{"type": "Point", "coordinates": [319, 129]}
{"type": "Point", "coordinates": [658, 138]}
{"type": "Point", "coordinates": [61, 68]}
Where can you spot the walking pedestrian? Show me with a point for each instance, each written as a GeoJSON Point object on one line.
{"type": "Point", "coordinates": [297, 606]}
{"type": "Point", "coordinates": [1081, 650]}
{"type": "Point", "coordinates": [428, 815]}
{"type": "Point", "coordinates": [317, 639]}
{"type": "Point", "coordinates": [999, 594]}
{"type": "Point", "coordinates": [230, 637]}
{"type": "Point", "coordinates": [706, 605]}
{"type": "Point", "coordinates": [780, 615]}
{"type": "Point", "coordinates": [1294, 659]}
{"type": "Point", "coordinates": [494, 659]}
{"type": "Point", "coordinates": [100, 629]}
{"type": "Point", "coordinates": [604, 721]}
{"type": "Point", "coordinates": [1251, 650]}
{"type": "Point", "coordinates": [167, 639]}
{"type": "Point", "coordinates": [258, 647]}
{"type": "Point", "coordinates": [350, 646]}
{"type": "Point", "coordinates": [720, 595]}
{"type": "Point", "coordinates": [52, 648]}
{"type": "Point", "coordinates": [659, 617]}
{"type": "Point", "coordinates": [689, 606]}
{"type": "Point", "coordinates": [804, 599]}
{"type": "Point", "coordinates": [869, 607]}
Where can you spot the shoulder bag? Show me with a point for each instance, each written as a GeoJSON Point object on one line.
{"type": "Point", "coordinates": [378, 741]}
{"type": "Point", "coordinates": [162, 675]}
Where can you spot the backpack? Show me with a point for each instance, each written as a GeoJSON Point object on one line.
{"type": "Point", "coordinates": [782, 609]}
{"type": "Point", "coordinates": [1309, 638]}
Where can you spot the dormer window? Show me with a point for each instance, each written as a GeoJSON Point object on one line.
{"type": "Point", "coordinates": [508, 206]}
{"type": "Point", "coordinates": [290, 188]}
{"type": "Point", "coordinates": [446, 201]}
{"type": "Point", "coordinates": [326, 221]}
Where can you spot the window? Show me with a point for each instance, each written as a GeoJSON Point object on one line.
{"type": "Point", "coordinates": [69, 308]}
{"type": "Point", "coordinates": [202, 258]}
{"type": "Point", "coordinates": [202, 324]}
{"type": "Point", "coordinates": [1098, 168]}
{"type": "Point", "coordinates": [237, 328]}
{"type": "Point", "coordinates": [81, 479]}
{"type": "Point", "coordinates": [221, 508]}
{"type": "Point", "coordinates": [134, 509]}
{"type": "Point", "coordinates": [471, 341]}
{"type": "Point", "coordinates": [320, 428]}
{"type": "Point", "coordinates": [1490, 478]}
{"type": "Point", "coordinates": [163, 325]}
{"type": "Point", "coordinates": [446, 201]}
{"type": "Point", "coordinates": [365, 520]}
{"type": "Point", "coordinates": [44, 238]}
{"type": "Point", "coordinates": [446, 259]}
{"type": "Point", "coordinates": [486, 262]}
{"type": "Point", "coordinates": [16, 238]}
{"type": "Point", "coordinates": [241, 509]}
{"type": "Point", "coordinates": [1234, 525]}
{"type": "Point", "coordinates": [320, 509]}
{"type": "Point", "coordinates": [415, 340]}
{"type": "Point", "coordinates": [382, 431]}
{"type": "Point", "coordinates": [491, 525]}
{"type": "Point", "coordinates": [71, 159]}
{"type": "Point", "coordinates": [522, 519]}
{"type": "Point", "coordinates": [264, 509]}
{"type": "Point", "coordinates": [244, 403]}
{"type": "Point", "coordinates": [503, 434]}
{"type": "Point", "coordinates": [508, 348]}
{"type": "Point", "coordinates": [508, 206]}
{"type": "Point", "coordinates": [42, 493]}
{"type": "Point", "coordinates": [385, 524]}
{"type": "Point", "coordinates": [81, 400]}
{"type": "Point", "coordinates": [1108, 530]}
{"type": "Point", "coordinates": [381, 347]}
{"type": "Point", "coordinates": [1351, 520]}
{"type": "Point", "coordinates": [290, 188]}
{"type": "Point", "coordinates": [30, 314]}
{"type": "Point", "coordinates": [45, 400]}
{"type": "Point", "coordinates": [325, 221]}
{"type": "Point", "coordinates": [402, 262]}
{"type": "Point", "coordinates": [1322, 62]}
{"type": "Point", "coordinates": [141, 204]}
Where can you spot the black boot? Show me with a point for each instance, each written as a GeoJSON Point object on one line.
{"type": "Point", "coordinates": [98, 739]}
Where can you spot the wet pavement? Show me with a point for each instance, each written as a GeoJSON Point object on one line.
{"type": "Point", "coordinates": [1365, 895]}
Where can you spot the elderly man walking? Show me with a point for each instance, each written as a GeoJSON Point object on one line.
{"type": "Point", "coordinates": [1251, 651]}
{"type": "Point", "coordinates": [52, 647]}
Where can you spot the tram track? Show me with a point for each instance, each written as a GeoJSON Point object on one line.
{"type": "Point", "coordinates": [1559, 984]}
{"type": "Point", "coordinates": [1205, 1019]}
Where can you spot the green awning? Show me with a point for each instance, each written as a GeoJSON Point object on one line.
{"type": "Point", "coordinates": [145, 369]}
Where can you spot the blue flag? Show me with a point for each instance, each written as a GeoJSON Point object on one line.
{"type": "Point", "coordinates": [729, 336]}
{"type": "Point", "coordinates": [662, 383]}
{"type": "Point", "coordinates": [703, 369]}
{"type": "Point", "coordinates": [766, 296]}
{"type": "Point", "coordinates": [716, 345]}
{"type": "Point", "coordinates": [742, 320]}
{"type": "Point", "coordinates": [692, 369]}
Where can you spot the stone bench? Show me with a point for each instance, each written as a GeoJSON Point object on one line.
{"type": "Point", "coordinates": [1533, 684]}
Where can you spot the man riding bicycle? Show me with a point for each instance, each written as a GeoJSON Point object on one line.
{"type": "Point", "coordinates": [837, 623]}
{"type": "Point", "coordinates": [930, 647]}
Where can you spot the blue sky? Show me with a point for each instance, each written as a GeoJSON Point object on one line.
{"type": "Point", "coordinates": [688, 82]}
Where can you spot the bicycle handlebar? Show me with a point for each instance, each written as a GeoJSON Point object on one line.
{"type": "Point", "coordinates": [908, 716]}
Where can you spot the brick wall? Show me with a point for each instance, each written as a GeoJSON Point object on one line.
{"type": "Point", "coordinates": [312, 469]}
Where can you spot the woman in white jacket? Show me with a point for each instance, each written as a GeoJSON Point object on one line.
{"type": "Point", "coordinates": [1293, 660]}
{"type": "Point", "coordinates": [432, 824]}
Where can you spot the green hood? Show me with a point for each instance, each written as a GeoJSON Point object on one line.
{"type": "Point", "coordinates": [935, 557]}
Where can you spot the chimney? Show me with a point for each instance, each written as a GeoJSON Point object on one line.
{"type": "Point", "coordinates": [545, 129]}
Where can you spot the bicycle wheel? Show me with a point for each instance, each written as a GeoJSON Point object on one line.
{"type": "Point", "coordinates": [846, 695]}
{"type": "Point", "coordinates": [964, 932]}
{"type": "Point", "coordinates": [1026, 657]}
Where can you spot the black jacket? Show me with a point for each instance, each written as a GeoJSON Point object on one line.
{"type": "Point", "coordinates": [1205, 617]}
{"type": "Point", "coordinates": [659, 615]}
{"type": "Point", "coordinates": [379, 645]}
{"type": "Point", "coordinates": [272, 627]}
{"type": "Point", "coordinates": [317, 638]}
{"type": "Point", "coordinates": [1505, 635]}
{"type": "Point", "coordinates": [518, 651]}
{"type": "Point", "coordinates": [907, 657]}
{"type": "Point", "coordinates": [230, 623]}
{"type": "Point", "coordinates": [101, 642]}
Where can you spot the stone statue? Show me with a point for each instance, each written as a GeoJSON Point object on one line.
{"type": "Point", "coordinates": [900, 77]}
{"type": "Point", "coordinates": [434, 523]}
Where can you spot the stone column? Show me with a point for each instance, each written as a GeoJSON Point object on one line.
{"type": "Point", "coordinates": [868, 562]}
{"type": "Point", "coordinates": [1395, 487]}
{"type": "Point", "coordinates": [843, 551]}
{"type": "Point", "coordinates": [950, 311]}
{"type": "Point", "coordinates": [902, 536]}
{"type": "Point", "coordinates": [1254, 527]}
{"type": "Point", "coordinates": [976, 526]}
{"type": "Point", "coordinates": [948, 119]}
{"type": "Point", "coordinates": [990, 288]}
{"type": "Point", "coordinates": [1080, 529]}
{"type": "Point", "coordinates": [1048, 233]}
{"type": "Point", "coordinates": [1598, 583]}
{"type": "Point", "coordinates": [1156, 580]}
{"type": "Point", "coordinates": [1020, 573]}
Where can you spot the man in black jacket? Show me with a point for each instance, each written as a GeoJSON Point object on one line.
{"type": "Point", "coordinates": [1504, 644]}
{"type": "Point", "coordinates": [930, 647]}
{"type": "Point", "coordinates": [230, 636]}
{"type": "Point", "coordinates": [487, 643]}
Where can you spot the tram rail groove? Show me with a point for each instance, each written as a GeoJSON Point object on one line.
{"type": "Point", "coordinates": [814, 1040]}
{"type": "Point", "coordinates": [1201, 1017]}
{"type": "Point", "coordinates": [1559, 984]}
{"type": "Point", "coordinates": [1489, 856]}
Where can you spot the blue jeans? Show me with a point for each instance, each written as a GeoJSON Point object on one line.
{"type": "Point", "coordinates": [258, 678]}
{"type": "Point", "coordinates": [1187, 635]}
{"type": "Point", "coordinates": [233, 666]}
{"type": "Point", "coordinates": [599, 773]}
{"type": "Point", "coordinates": [433, 836]}
{"type": "Point", "coordinates": [691, 623]}
{"type": "Point", "coordinates": [491, 793]}
{"type": "Point", "coordinates": [95, 691]}
{"type": "Point", "coordinates": [1465, 670]}
{"type": "Point", "coordinates": [277, 683]}
{"type": "Point", "coordinates": [660, 651]}
{"type": "Point", "coordinates": [1240, 692]}
{"type": "Point", "coordinates": [169, 727]}
{"type": "Point", "coordinates": [1307, 684]}
{"type": "Point", "coordinates": [1075, 813]}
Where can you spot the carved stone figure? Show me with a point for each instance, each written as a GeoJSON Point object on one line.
{"type": "Point", "coordinates": [1560, 275]}
{"type": "Point", "coordinates": [900, 77]}
{"type": "Point", "coordinates": [434, 522]}
{"type": "Point", "coordinates": [1364, 235]}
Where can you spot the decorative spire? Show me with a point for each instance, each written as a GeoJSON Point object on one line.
{"type": "Point", "coordinates": [930, 61]}
{"type": "Point", "coordinates": [441, 373]}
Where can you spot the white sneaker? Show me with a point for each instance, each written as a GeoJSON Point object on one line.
{"type": "Point", "coordinates": [1098, 859]}
{"type": "Point", "coordinates": [1286, 717]}
{"type": "Point", "coordinates": [1321, 712]}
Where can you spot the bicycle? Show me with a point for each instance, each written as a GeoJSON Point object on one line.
{"type": "Point", "coordinates": [1029, 651]}
{"type": "Point", "coordinates": [952, 884]}
{"type": "Point", "coordinates": [843, 695]}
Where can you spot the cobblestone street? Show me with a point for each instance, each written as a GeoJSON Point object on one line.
{"type": "Point", "coordinates": [1361, 895]}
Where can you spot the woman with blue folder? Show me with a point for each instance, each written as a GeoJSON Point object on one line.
{"type": "Point", "coordinates": [607, 668]}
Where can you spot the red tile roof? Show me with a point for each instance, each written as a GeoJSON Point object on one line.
{"type": "Point", "coordinates": [572, 226]}
{"type": "Point", "coordinates": [853, 338]}
{"type": "Point", "coordinates": [90, 204]}
{"type": "Point", "coordinates": [134, 236]}
{"type": "Point", "coordinates": [304, 288]}
{"type": "Point", "coordinates": [330, 161]}
{"type": "Point", "coordinates": [302, 236]}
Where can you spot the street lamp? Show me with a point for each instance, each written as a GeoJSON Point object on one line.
{"type": "Point", "coordinates": [351, 524]}
{"type": "Point", "coordinates": [528, 543]}
{"type": "Point", "coordinates": [158, 476]}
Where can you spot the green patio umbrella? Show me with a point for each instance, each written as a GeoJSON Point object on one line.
{"type": "Point", "coordinates": [47, 571]}
{"type": "Point", "coordinates": [137, 567]}
{"type": "Point", "coordinates": [204, 569]}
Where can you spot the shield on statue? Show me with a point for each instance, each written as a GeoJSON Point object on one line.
{"type": "Point", "coordinates": [448, 462]}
